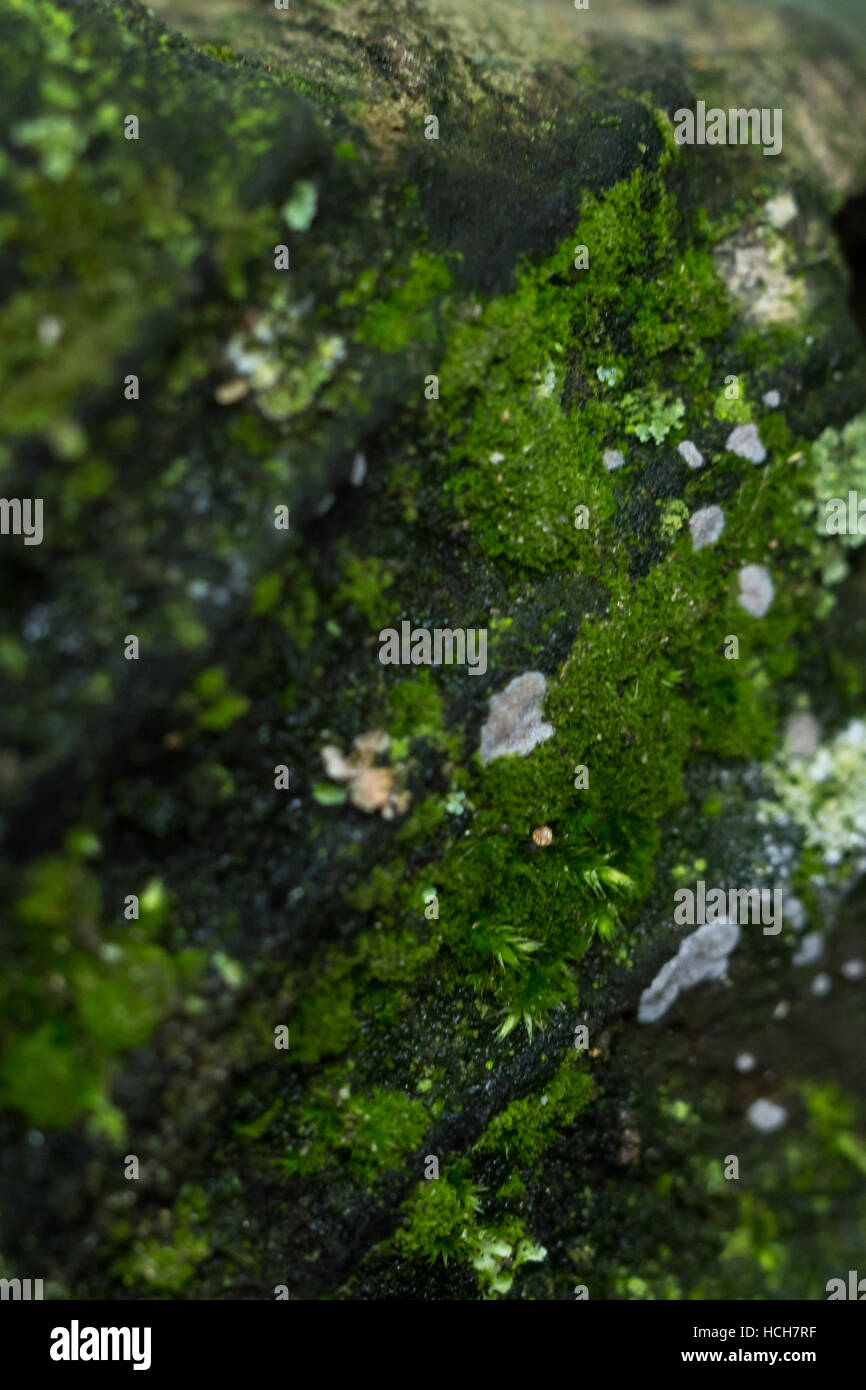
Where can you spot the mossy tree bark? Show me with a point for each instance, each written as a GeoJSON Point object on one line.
{"type": "Point", "coordinates": [427, 391]}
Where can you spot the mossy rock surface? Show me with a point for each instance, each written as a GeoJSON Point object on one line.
{"type": "Point", "coordinates": [428, 393]}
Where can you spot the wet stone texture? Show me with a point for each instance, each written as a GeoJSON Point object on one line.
{"type": "Point", "coordinates": [285, 923]}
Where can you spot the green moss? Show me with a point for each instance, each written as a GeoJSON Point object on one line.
{"type": "Point", "coordinates": [120, 1004]}
{"type": "Point", "coordinates": [416, 708]}
{"type": "Point", "coordinates": [68, 1009]}
{"type": "Point", "coordinates": [166, 1267]}
{"type": "Point", "coordinates": [441, 1222]}
{"type": "Point", "coordinates": [525, 1129]}
{"type": "Point", "coordinates": [298, 615]}
{"type": "Point", "coordinates": [732, 410]}
{"type": "Point", "coordinates": [396, 957]}
{"type": "Point", "coordinates": [366, 1135]}
{"type": "Point", "coordinates": [407, 314]}
{"type": "Point", "coordinates": [674, 516]}
{"type": "Point", "coordinates": [266, 594]}
{"type": "Point", "coordinates": [324, 1024]}
{"type": "Point", "coordinates": [221, 52]}
{"type": "Point", "coordinates": [214, 705]}
{"type": "Point", "coordinates": [364, 588]}
{"type": "Point", "coordinates": [49, 1078]}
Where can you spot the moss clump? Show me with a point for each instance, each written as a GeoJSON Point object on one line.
{"type": "Point", "coordinates": [81, 996]}
{"type": "Point", "coordinates": [441, 1223]}
{"type": "Point", "coordinates": [525, 1129]}
{"type": "Point", "coordinates": [366, 1134]}
{"type": "Point", "coordinates": [167, 1266]}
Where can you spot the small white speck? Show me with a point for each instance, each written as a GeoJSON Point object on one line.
{"type": "Point", "coordinates": [359, 470]}
{"type": "Point", "coordinates": [49, 330]}
{"type": "Point", "coordinates": [854, 969]}
{"type": "Point", "coordinates": [497, 458]}
{"type": "Point", "coordinates": [772, 399]}
{"type": "Point", "coordinates": [766, 1116]}
{"type": "Point", "coordinates": [745, 1062]}
{"type": "Point", "coordinates": [821, 985]}
{"type": "Point", "coordinates": [326, 504]}
{"type": "Point", "coordinates": [613, 459]}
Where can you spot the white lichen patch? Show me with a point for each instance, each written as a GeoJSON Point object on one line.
{"type": "Point", "coordinates": [691, 453]}
{"type": "Point", "coordinates": [766, 1116]}
{"type": "Point", "coordinates": [706, 526]}
{"type": "Point", "coordinates": [546, 382]}
{"type": "Point", "coordinates": [702, 956]}
{"type": "Point", "coordinates": [49, 330]}
{"type": "Point", "coordinates": [746, 443]}
{"type": "Point", "coordinates": [613, 459]}
{"type": "Point", "coordinates": [825, 795]}
{"type": "Point", "coordinates": [515, 722]}
{"type": "Point", "coordinates": [756, 590]}
{"type": "Point", "coordinates": [755, 264]}
{"type": "Point", "coordinates": [781, 210]}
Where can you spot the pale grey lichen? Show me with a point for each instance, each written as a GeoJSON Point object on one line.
{"type": "Point", "coordinates": [759, 269]}
{"type": "Point", "coordinates": [756, 590]}
{"type": "Point", "coordinates": [706, 526]}
{"type": "Point", "coordinates": [702, 956]}
{"type": "Point", "coordinates": [691, 453]}
{"type": "Point", "coordinates": [515, 722]}
{"type": "Point", "coordinates": [746, 443]}
{"type": "Point", "coordinates": [781, 210]}
{"type": "Point", "coordinates": [766, 1116]}
{"type": "Point", "coordinates": [826, 797]}
{"type": "Point", "coordinates": [613, 459]}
